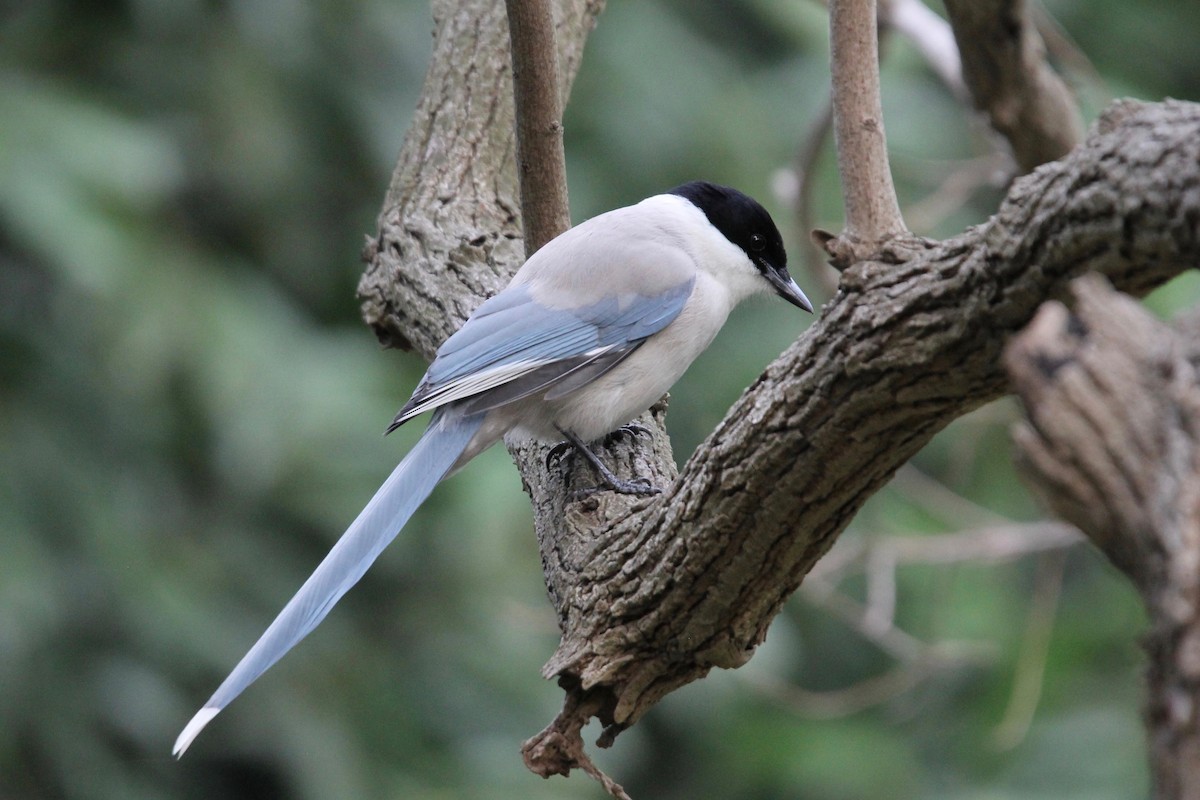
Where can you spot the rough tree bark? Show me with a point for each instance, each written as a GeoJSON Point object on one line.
{"type": "Point", "coordinates": [1112, 444]}
{"type": "Point", "coordinates": [653, 593]}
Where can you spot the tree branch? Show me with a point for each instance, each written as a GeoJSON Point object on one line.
{"type": "Point", "coordinates": [1004, 65]}
{"type": "Point", "coordinates": [541, 161]}
{"type": "Point", "coordinates": [872, 210]}
{"type": "Point", "coordinates": [1113, 444]}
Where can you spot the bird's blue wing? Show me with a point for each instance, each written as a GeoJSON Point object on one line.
{"type": "Point", "coordinates": [513, 346]}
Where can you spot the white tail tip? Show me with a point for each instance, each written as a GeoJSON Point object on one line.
{"type": "Point", "coordinates": [193, 728]}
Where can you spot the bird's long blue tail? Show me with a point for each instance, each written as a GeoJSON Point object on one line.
{"type": "Point", "coordinates": [376, 526]}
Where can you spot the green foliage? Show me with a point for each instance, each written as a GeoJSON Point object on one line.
{"type": "Point", "coordinates": [190, 414]}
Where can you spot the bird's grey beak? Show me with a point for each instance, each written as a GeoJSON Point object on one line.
{"type": "Point", "coordinates": [786, 288]}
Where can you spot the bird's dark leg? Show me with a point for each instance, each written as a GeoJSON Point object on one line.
{"type": "Point", "coordinates": [638, 486]}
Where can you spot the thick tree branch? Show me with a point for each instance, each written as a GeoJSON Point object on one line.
{"type": "Point", "coordinates": [692, 579]}
{"type": "Point", "coordinates": [1004, 65]}
{"type": "Point", "coordinates": [541, 161]}
{"type": "Point", "coordinates": [872, 210]}
{"type": "Point", "coordinates": [1113, 444]}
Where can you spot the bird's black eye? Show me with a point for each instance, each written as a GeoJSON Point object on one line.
{"type": "Point", "coordinates": [758, 242]}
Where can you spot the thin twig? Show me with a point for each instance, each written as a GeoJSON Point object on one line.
{"type": "Point", "coordinates": [1035, 645]}
{"type": "Point", "coordinates": [852, 699]}
{"type": "Point", "coordinates": [875, 620]}
{"type": "Point", "coordinates": [872, 210]}
{"type": "Point", "coordinates": [1067, 53]}
{"type": "Point", "coordinates": [899, 644]}
{"type": "Point", "coordinates": [540, 156]}
{"type": "Point", "coordinates": [943, 502]}
{"type": "Point", "coordinates": [880, 559]}
{"type": "Point", "coordinates": [992, 544]}
{"type": "Point", "coordinates": [987, 545]}
{"type": "Point", "coordinates": [959, 185]}
{"type": "Point", "coordinates": [801, 197]}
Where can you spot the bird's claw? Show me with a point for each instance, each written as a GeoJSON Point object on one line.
{"type": "Point", "coordinates": [632, 429]}
{"type": "Point", "coordinates": [638, 487]}
{"type": "Point", "coordinates": [557, 452]}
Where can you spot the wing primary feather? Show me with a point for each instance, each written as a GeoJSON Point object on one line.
{"type": "Point", "coordinates": [558, 377]}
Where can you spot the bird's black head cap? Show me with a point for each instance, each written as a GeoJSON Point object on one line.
{"type": "Point", "coordinates": [741, 219]}
{"type": "Point", "coordinates": [747, 224]}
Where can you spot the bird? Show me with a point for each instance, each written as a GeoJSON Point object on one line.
{"type": "Point", "coordinates": [592, 330]}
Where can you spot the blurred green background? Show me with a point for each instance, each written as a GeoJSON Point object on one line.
{"type": "Point", "coordinates": [191, 414]}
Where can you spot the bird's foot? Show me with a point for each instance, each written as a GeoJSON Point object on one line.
{"type": "Point", "coordinates": [610, 481]}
